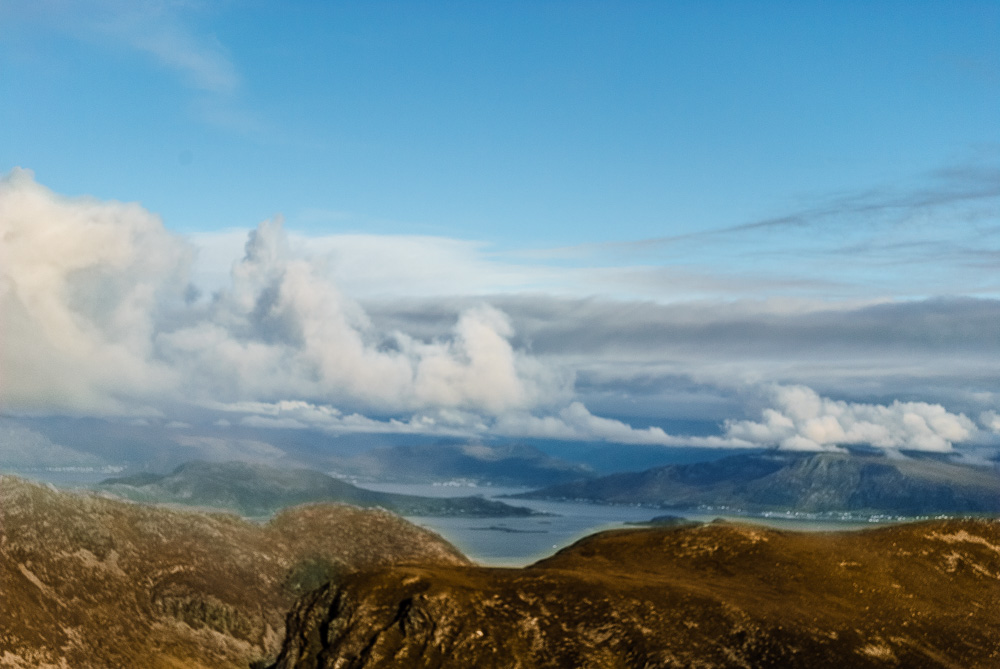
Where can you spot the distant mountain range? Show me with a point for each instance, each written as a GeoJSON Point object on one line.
{"type": "Point", "coordinates": [507, 464]}
{"type": "Point", "coordinates": [88, 581]}
{"type": "Point", "coordinates": [808, 483]}
{"type": "Point", "coordinates": [260, 490]}
{"type": "Point", "coordinates": [715, 596]}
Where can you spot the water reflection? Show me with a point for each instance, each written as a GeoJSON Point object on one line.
{"type": "Point", "coordinates": [515, 542]}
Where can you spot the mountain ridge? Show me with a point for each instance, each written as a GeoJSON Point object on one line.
{"type": "Point", "coordinates": [498, 464]}
{"type": "Point", "coordinates": [259, 490]}
{"type": "Point", "coordinates": [808, 483]}
{"type": "Point", "coordinates": [87, 580]}
{"type": "Point", "coordinates": [715, 596]}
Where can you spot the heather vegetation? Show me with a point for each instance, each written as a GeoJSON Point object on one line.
{"type": "Point", "coordinates": [715, 596]}
{"type": "Point", "coordinates": [92, 581]}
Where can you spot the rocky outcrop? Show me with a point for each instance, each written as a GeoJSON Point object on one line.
{"type": "Point", "coordinates": [88, 581]}
{"type": "Point", "coordinates": [924, 595]}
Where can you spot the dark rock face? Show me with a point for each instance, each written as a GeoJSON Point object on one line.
{"type": "Point", "coordinates": [924, 595]}
{"type": "Point", "coordinates": [87, 581]}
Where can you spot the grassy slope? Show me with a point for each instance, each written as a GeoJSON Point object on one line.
{"type": "Point", "coordinates": [924, 595]}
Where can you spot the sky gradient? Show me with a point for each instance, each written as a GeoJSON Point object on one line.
{"type": "Point", "coordinates": [583, 221]}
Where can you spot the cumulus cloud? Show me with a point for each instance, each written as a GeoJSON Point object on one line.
{"type": "Point", "coordinates": [82, 283]}
{"type": "Point", "coordinates": [284, 329]}
{"type": "Point", "coordinates": [96, 321]}
{"type": "Point", "coordinates": [803, 420]}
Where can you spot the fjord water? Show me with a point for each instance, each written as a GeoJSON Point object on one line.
{"type": "Point", "coordinates": [519, 541]}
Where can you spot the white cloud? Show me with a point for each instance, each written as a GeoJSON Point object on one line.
{"type": "Point", "coordinates": [576, 423]}
{"type": "Point", "coordinates": [81, 285]}
{"type": "Point", "coordinates": [95, 321]}
{"type": "Point", "coordinates": [370, 266]}
{"type": "Point", "coordinates": [284, 329]}
{"type": "Point", "coordinates": [573, 422]}
{"type": "Point", "coordinates": [304, 415]}
{"type": "Point", "coordinates": [991, 421]}
{"type": "Point", "coordinates": [803, 420]}
{"type": "Point", "coordinates": [274, 423]}
{"type": "Point", "coordinates": [373, 266]}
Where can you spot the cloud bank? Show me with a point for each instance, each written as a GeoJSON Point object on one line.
{"type": "Point", "coordinates": [101, 318]}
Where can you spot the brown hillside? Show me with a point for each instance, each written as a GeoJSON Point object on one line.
{"type": "Point", "coordinates": [87, 581]}
{"type": "Point", "coordinates": [722, 595]}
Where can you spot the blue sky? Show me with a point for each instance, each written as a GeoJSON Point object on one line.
{"type": "Point", "coordinates": [700, 165]}
{"type": "Point", "coordinates": [522, 124]}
